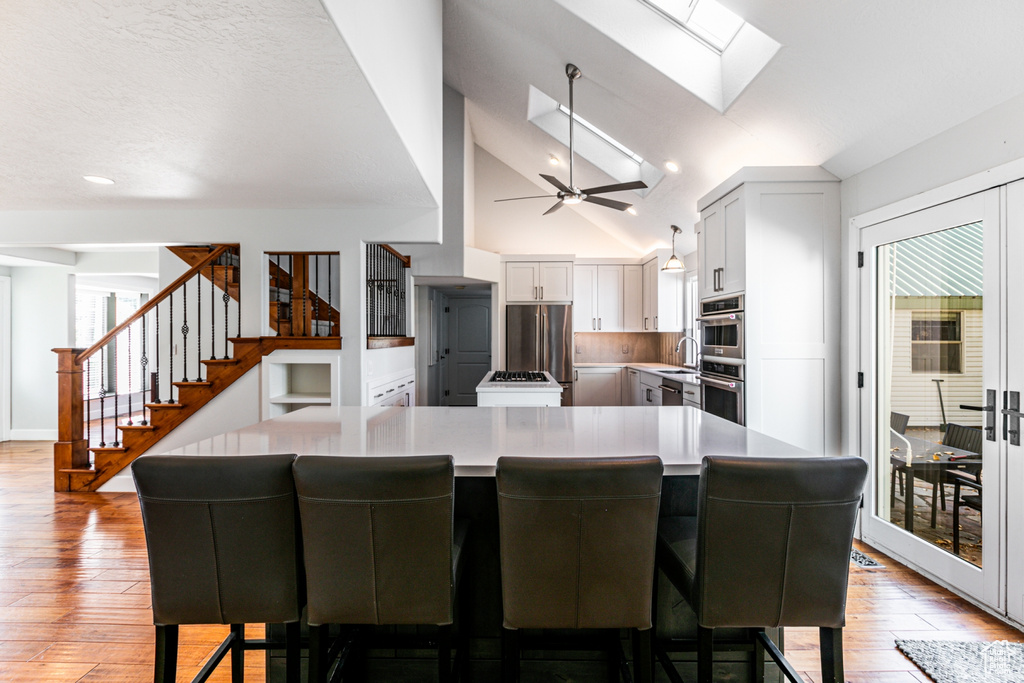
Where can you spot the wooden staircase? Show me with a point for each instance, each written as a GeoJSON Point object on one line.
{"type": "Point", "coordinates": [163, 417]}
{"type": "Point", "coordinates": [81, 467]}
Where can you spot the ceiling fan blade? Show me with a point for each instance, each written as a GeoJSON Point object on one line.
{"type": "Point", "coordinates": [536, 196]}
{"type": "Point", "coordinates": [556, 182]}
{"type": "Point", "coordinates": [617, 187]}
{"type": "Point", "coordinates": [610, 203]}
{"type": "Point", "coordinates": [554, 208]}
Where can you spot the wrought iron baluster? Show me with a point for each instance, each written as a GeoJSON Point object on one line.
{"type": "Point", "coordinates": [170, 350]}
{"type": "Point", "coordinates": [130, 376]}
{"type": "Point", "coordinates": [117, 411]}
{"type": "Point", "coordinates": [213, 313]}
{"type": "Point", "coordinates": [305, 289]}
{"type": "Point", "coordinates": [155, 386]}
{"type": "Point", "coordinates": [144, 362]}
{"type": "Point", "coordinates": [238, 252]}
{"type": "Point", "coordinates": [103, 394]}
{"type": "Point", "coordinates": [184, 332]}
{"type": "Point", "coordinates": [330, 299]}
{"type": "Point", "coordinates": [316, 279]}
{"type": "Point", "coordinates": [88, 399]}
{"type": "Point", "coordinates": [199, 326]}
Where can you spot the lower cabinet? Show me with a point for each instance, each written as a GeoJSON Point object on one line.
{"type": "Point", "coordinates": [691, 394]}
{"type": "Point", "coordinates": [631, 388]}
{"type": "Point", "coordinates": [650, 391]}
{"type": "Point", "coordinates": [598, 386]}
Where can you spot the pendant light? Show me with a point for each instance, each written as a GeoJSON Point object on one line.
{"type": "Point", "coordinates": [674, 265]}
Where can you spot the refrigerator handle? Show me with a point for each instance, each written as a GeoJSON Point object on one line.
{"type": "Point", "coordinates": [543, 328]}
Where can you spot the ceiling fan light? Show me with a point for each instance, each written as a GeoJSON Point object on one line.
{"type": "Point", "coordinates": [631, 211]}
{"type": "Point", "coordinates": [572, 199]}
{"type": "Point", "coordinates": [553, 160]}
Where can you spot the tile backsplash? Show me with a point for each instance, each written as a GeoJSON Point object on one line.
{"type": "Point", "coordinates": [627, 347]}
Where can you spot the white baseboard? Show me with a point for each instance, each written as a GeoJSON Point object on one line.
{"type": "Point", "coordinates": [33, 435]}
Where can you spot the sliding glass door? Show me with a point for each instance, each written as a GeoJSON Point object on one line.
{"type": "Point", "coordinates": [933, 342]}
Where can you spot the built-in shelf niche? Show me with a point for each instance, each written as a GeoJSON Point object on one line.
{"type": "Point", "coordinates": [297, 378]}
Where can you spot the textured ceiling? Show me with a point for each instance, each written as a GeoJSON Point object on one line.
{"type": "Point", "coordinates": [219, 103]}
{"type": "Point", "coordinates": [854, 84]}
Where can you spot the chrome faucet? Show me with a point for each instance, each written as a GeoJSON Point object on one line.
{"type": "Point", "coordinates": [696, 349]}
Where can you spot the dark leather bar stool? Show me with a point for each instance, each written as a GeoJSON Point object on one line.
{"type": "Point", "coordinates": [381, 547]}
{"type": "Point", "coordinates": [577, 550]}
{"type": "Point", "coordinates": [769, 547]}
{"type": "Point", "coordinates": [223, 541]}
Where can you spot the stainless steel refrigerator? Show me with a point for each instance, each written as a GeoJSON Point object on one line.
{"type": "Point", "coordinates": [539, 337]}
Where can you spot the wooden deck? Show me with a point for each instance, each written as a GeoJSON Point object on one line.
{"type": "Point", "coordinates": [74, 596]}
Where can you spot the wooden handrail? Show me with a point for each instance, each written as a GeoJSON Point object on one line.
{"type": "Point", "coordinates": [406, 260]}
{"type": "Point", "coordinates": [152, 303]}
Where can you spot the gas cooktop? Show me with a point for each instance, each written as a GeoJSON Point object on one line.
{"type": "Point", "coordinates": [518, 376]}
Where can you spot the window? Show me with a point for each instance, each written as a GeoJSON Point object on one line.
{"type": "Point", "coordinates": [936, 341]}
{"type": "Point", "coordinates": [706, 20]}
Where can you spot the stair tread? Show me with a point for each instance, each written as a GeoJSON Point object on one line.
{"type": "Point", "coordinates": [108, 449]}
{"type": "Point", "coordinates": [136, 427]}
{"type": "Point", "coordinates": [159, 406]}
{"type": "Point", "coordinates": [77, 470]}
{"type": "Point", "coordinates": [220, 361]}
{"type": "Point", "coordinates": [187, 384]}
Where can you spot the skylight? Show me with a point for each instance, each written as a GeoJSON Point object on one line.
{"type": "Point", "coordinates": [591, 143]}
{"type": "Point", "coordinates": [626, 151]}
{"type": "Point", "coordinates": [706, 20]}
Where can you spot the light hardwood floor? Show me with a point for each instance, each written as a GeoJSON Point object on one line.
{"type": "Point", "coordinates": [74, 595]}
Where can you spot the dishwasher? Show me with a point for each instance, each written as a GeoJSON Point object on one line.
{"type": "Point", "coordinates": [671, 392]}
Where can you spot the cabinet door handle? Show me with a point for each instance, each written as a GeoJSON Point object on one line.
{"type": "Point", "coordinates": [593, 323]}
{"type": "Point", "coordinates": [535, 293]}
{"type": "Point", "coordinates": [649, 400]}
{"type": "Point", "coordinates": [655, 322]}
{"type": "Point", "coordinates": [645, 323]}
{"type": "Point", "coordinates": [598, 323]}
{"type": "Point", "coordinates": [542, 294]}
{"type": "Point", "coordinates": [577, 375]}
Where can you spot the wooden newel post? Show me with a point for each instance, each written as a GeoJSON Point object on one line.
{"type": "Point", "coordinates": [72, 448]}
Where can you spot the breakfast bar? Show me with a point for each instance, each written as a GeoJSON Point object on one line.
{"type": "Point", "coordinates": [476, 438]}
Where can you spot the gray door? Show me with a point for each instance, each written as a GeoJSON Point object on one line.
{"type": "Point", "coordinates": [469, 346]}
{"type": "Point", "coordinates": [522, 337]}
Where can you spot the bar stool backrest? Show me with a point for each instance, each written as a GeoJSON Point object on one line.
{"type": "Point", "coordinates": [773, 540]}
{"type": "Point", "coordinates": [222, 536]}
{"type": "Point", "coordinates": [577, 541]}
{"type": "Point", "coordinates": [377, 533]}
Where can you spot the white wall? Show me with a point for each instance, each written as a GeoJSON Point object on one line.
{"type": "Point", "coordinates": [42, 318]}
{"type": "Point", "coordinates": [977, 146]}
{"type": "Point", "coordinates": [520, 228]}
{"type": "Point", "coordinates": [397, 45]}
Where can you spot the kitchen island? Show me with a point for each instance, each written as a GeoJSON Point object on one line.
{"type": "Point", "coordinates": [476, 438]}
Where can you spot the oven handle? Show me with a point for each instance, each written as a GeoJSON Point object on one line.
{"type": "Point", "coordinates": [721, 317]}
{"type": "Point", "coordinates": [721, 383]}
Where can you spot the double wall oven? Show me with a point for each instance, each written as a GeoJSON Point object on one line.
{"type": "Point", "coordinates": [722, 360]}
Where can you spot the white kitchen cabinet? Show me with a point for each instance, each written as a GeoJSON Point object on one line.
{"type": "Point", "coordinates": [538, 281]}
{"type": "Point", "coordinates": [650, 389]}
{"type": "Point", "coordinates": [691, 391]}
{"type": "Point", "coordinates": [631, 388]}
{"type": "Point", "coordinates": [722, 246]}
{"type": "Point", "coordinates": [632, 298]}
{"type": "Point", "coordinates": [662, 296]}
{"type": "Point", "coordinates": [600, 386]}
{"type": "Point", "coordinates": [597, 303]}
{"type": "Point", "coordinates": [393, 391]}
{"type": "Point", "coordinates": [773, 234]}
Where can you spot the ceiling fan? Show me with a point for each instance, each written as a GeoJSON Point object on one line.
{"type": "Point", "coordinates": [570, 194]}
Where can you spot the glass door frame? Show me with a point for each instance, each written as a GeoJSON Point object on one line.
{"type": "Point", "coordinates": [987, 583]}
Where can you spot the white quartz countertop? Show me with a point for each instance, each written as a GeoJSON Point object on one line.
{"type": "Point", "coordinates": [476, 437]}
{"type": "Point", "coordinates": [487, 386]}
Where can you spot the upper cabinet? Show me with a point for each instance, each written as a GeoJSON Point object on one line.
{"type": "Point", "coordinates": [532, 281]}
{"type": "Point", "coordinates": [598, 302]}
{"type": "Point", "coordinates": [632, 298]}
{"type": "Point", "coordinates": [721, 245]}
{"type": "Point", "coordinates": [662, 296]}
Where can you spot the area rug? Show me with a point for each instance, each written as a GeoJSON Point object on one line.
{"type": "Point", "coordinates": [952, 661]}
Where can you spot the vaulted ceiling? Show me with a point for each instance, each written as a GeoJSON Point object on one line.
{"type": "Point", "coordinates": [260, 103]}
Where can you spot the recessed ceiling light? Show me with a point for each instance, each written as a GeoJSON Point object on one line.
{"type": "Point", "coordinates": [631, 211]}
{"type": "Point", "coordinates": [553, 160]}
{"type": "Point", "coordinates": [672, 167]}
{"type": "Point", "coordinates": [98, 179]}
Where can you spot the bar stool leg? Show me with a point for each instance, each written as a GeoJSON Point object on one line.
{"type": "Point", "coordinates": [509, 655]}
{"type": "Point", "coordinates": [317, 651]}
{"type": "Point", "coordinates": [292, 652]}
{"type": "Point", "coordinates": [238, 653]}
{"type": "Point", "coordinates": [166, 665]}
{"type": "Point", "coordinates": [613, 650]}
{"type": "Point", "coordinates": [705, 655]}
{"type": "Point", "coordinates": [444, 654]}
{"type": "Point", "coordinates": [757, 665]}
{"type": "Point", "coordinates": [831, 643]}
{"type": "Point", "coordinates": [643, 656]}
